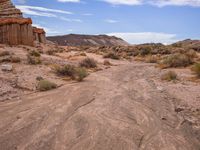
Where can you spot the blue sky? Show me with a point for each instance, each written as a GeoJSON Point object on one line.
{"type": "Point", "coordinates": [137, 21]}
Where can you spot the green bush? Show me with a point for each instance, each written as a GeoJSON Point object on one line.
{"type": "Point", "coordinates": [169, 76]}
{"type": "Point", "coordinates": [88, 63]}
{"type": "Point", "coordinates": [112, 56]}
{"type": "Point", "coordinates": [81, 73]}
{"type": "Point", "coordinates": [176, 60]}
{"type": "Point", "coordinates": [45, 85]}
{"type": "Point", "coordinates": [196, 69]}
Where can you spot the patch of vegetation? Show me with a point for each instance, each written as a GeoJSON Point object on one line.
{"type": "Point", "coordinates": [45, 85]}
{"type": "Point", "coordinates": [112, 56]}
{"type": "Point", "coordinates": [75, 73]}
{"type": "Point", "coordinates": [192, 54]}
{"type": "Point", "coordinates": [196, 69]}
{"type": "Point", "coordinates": [4, 53]}
{"type": "Point", "coordinates": [33, 60]}
{"type": "Point", "coordinates": [81, 73]}
{"type": "Point", "coordinates": [152, 59]}
{"type": "Point", "coordinates": [88, 63]}
{"type": "Point", "coordinates": [33, 57]}
{"type": "Point", "coordinates": [66, 70]}
{"type": "Point", "coordinates": [15, 59]}
{"type": "Point", "coordinates": [176, 60]}
{"type": "Point", "coordinates": [145, 51]}
{"type": "Point", "coordinates": [169, 76]}
{"type": "Point", "coordinates": [34, 53]}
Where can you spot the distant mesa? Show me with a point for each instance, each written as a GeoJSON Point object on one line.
{"type": "Point", "coordinates": [87, 40]}
{"type": "Point", "coordinates": [15, 29]}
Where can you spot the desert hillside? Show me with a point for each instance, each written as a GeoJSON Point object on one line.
{"type": "Point", "coordinates": [87, 40]}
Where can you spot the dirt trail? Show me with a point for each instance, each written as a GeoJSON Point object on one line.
{"type": "Point", "coordinates": [119, 108]}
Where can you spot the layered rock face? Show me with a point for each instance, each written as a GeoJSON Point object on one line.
{"type": "Point", "coordinates": [16, 30]}
{"type": "Point", "coordinates": [7, 9]}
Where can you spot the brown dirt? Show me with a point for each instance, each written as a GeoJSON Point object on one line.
{"type": "Point", "coordinates": [125, 107]}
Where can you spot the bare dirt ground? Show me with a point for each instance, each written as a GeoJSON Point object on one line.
{"type": "Point", "coordinates": [125, 107]}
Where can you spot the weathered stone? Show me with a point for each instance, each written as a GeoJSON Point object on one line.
{"type": "Point", "coordinates": [16, 30]}
{"type": "Point", "coordinates": [39, 35]}
{"type": "Point", "coordinates": [6, 67]}
{"type": "Point", "coordinates": [7, 9]}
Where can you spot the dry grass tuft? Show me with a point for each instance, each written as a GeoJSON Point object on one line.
{"type": "Point", "coordinates": [169, 76]}
{"type": "Point", "coordinates": [88, 63]}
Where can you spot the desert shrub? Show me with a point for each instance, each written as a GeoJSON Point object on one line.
{"type": "Point", "coordinates": [111, 55]}
{"type": "Point", "coordinates": [176, 60]}
{"type": "Point", "coordinates": [152, 59]}
{"type": "Point", "coordinates": [169, 76]}
{"type": "Point", "coordinates": [71, 71]}
{"type": "Point", "coordinates": [50, 52]}
{"type": "Point", "coordinates": [66, 70]}
{"type": "Point", "coordinates": [33, 60]}
{"type": "Point", "coordinates": [34, 53]}
{"type": "Point", "coordinates": [88, 63]}
{"type": "Point", "coordinates": [33, 57]}
{"type": "Point", "coordinates": [196, 69]}
{"type": "Point", "coordinates": [145, 51]}
{"type": "Point", "coordinates": [4, 53]}
{"type": "Point", "coordinates": [45, 85]}
{"type": "Point", "coordinates": [81, 73]}
{"type": "Point", "coordinates": [15, 59]}
{"type": "Point", "coordinates": [106, 63]}
{"type": "Point", "coordinates": [191, 54]}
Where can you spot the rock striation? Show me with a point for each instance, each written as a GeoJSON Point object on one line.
{"type": "Point", "coordinates": [16, 30]}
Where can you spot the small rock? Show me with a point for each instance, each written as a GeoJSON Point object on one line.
{"type": "Point", "coordinates": [6, 67]}
{"type": "Point", "coordinates": [159, 88]}
{"type": "Point", "coordinates": [179, 109]}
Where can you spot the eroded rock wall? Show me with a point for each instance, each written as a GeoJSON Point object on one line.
{"type": "Point", "coordinates": [16, 31]}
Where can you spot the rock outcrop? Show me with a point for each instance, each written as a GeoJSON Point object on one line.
{"type": "Point", "coordinates": [39, 35]}
{"type": "Point", "coordinates": [7, 9]}
{"type": "Point", "coordinates": [16, 30]}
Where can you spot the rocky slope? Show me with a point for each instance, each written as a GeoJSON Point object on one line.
{"type": "Point", "coordinates": [188, 43]}
{"type": "Point", "coordinates": [87, 40]}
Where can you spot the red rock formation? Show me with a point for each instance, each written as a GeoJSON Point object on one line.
{"type": "Point", "coordinates": [39, 35]}
{"type": "Point", "coordinates": [7, 9]}
{"type": "Point", "coordinates": [16, 30]}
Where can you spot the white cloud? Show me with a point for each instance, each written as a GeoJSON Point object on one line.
{"type": "Point", "coordinates": [111, 21]}
{"type": "Point", "coordinates": [67, 1]}
{"type": "Point", "coordinates": [146, 37]}
{"type": "Point", "coordinates": [124, 2]}
{"type": "Point", "coordinates": [161, 3]}
{"type": "Point", "coordinates": [70, 20]}
{"type": "Point", "coordinates": [41, 11]}
{"type": "Point", "coordinates": [49, 31]}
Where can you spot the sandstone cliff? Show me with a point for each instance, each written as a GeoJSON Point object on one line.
{"type": "Point", "coordinates": [16, 30]}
